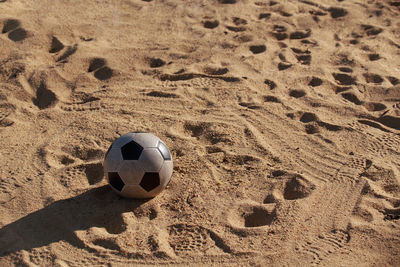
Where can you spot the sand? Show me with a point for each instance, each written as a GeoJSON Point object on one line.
{"type": "Point", "coordinates": [283, 119]}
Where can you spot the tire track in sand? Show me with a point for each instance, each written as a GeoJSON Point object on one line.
{"type": "Point", "coordinates": [325, 215]}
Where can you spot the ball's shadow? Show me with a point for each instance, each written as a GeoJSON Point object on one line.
{"type": "Point", "coordinates": [98, 207]}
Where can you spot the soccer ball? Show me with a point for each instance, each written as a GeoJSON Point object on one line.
{"type": "Point", "coordinates": [138, 165]}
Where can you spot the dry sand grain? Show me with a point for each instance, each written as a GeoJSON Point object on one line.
{"type": "Point", "coordinates": [283, 118]}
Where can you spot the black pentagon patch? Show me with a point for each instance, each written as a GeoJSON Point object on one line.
{"type": "Point", "coordinates": [131, 151]}
{"type": "Point", "coordinates": [115, 180]}
{"type": "Point", "coordinates": [164, 151]}
{"type": "Point", "coordinates": [150, 181]}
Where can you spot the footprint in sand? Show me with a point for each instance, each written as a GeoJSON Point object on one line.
{"type": "Point", "coordinates": [302, 55]}
{"type": "Point", "coordinates": [49, 88]}
{"type": "Point", "coordinates": [297, 93]}
{"type": "Point", "coordinates": [211, 24]}
{"type": "Point", "coordinates": [372, 106]}
{"type": "Point", "coordinates": [227, 1]}
{"type": "Point", "coordinates": [271, 84]}
{"type": "Point", "coordinates": [290, 186]}
{"type": "Point", "coordinates": [374, 57]}
{"type": "Point", "coordinates": [344, 79]}
{"type": "Point", "coordinates": [239, 21]}
{"type": "Point", "coordinates": [82, 175]}
{"type": "Point", "coordinates": [352, 98]}
{"type": "Point", "coordinates": [353, 168]}
{"type": "Point", "coordinates": [324, 245]}
{"type": "Point", "coordinates": [68, 52]}
{"type": "Point", "coordinates": [73, 165]}
{"type": "Point", "coordinates": [297, 187]}
{"type": "Point", "coordinates": [5, 111]}
{"type": "Point", "coordinates": [206, 132]}
{"type": "Point", "coordinates": [101, 71]}
{"type": "Point", "coordinates": [373, 78]}
{"type": "Point", "coordinates": [14, 30]}
{"type": "Point", "coordinates": [264, 16]}
{"type": "Point", "coordinates": [380, 186]}
{"type": "Point", "coordinates": [80, 101]}
{"type": "Point", "coordinates": [131, 231]}
{"type": "Point", "coordinates": [302, 34]}
{"type": "Point", "coordinates": [189, 239]}
{"type": "Point", "coordinates": [392, 214]}
{"type": "Point", "coordinates": [284, 66]}
{"type": "Point", "coordinates": [287, 187]}
{"type": "Point", "coordinates": [337, 12]}
{"type": "Point", "coordinates": [56, 45]}
{"type": "Point", "coordinates": [154, 62]}
{"type": "Point", "coordinates": [215, 70]}
{"type": "Point", "coordinates": [271, 99]}
{"type": "Point", "coordinates": [239, 25]}
{"type": "Point", "coordinates": [345, 69]}
{"type": "Point", "coordinates": [393, 80]}
{"type": "Point", "coordinates": [371, 30]}
{"type": "Point", "coordinates": [77, 175]}
{"type": "Point", "coordinates": [257, 49]}
{"type": "Point", "coordinates": [252, 216]}
{"type": "Point", "coordinates": [85, 104]}
{"type": "Point", "coordinates": [40, 256]}
{"type": "Point", "coordinates": [162, 94]}
{"type": "Point", "coordinates": [279, 32]}
{"type": "Point", "coordinates": [304, 59]}
{"type": "Point", "coordinates": [315, 81]}
{"type": "Point", "coordinates": [45, 98]}
{"type": "Point", "coordinates": [312, 122]}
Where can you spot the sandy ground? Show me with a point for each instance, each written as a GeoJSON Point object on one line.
{"type": "Point", "coordinates": [283, 118]}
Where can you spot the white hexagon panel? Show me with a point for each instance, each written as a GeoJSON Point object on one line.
{"type": "Point", "coordinates": [131, 172]}
{"type": "Point", "coordinates": [113, 160]}
{"type": "Point", "coordinates": [151, 160]}
{"type": "Point", "coordinates": [146, 139]}
{"type": "Point", "coordinates": [166, 173]}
